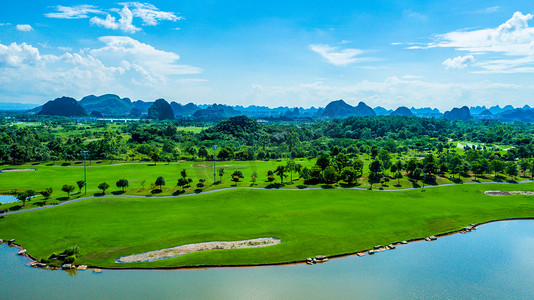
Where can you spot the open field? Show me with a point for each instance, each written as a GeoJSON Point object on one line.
{"type": "Point", "coordinates": [142, 176]}
{"type": "Point", "coordinates": [308, 222]}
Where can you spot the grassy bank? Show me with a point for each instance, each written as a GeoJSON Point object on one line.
{"type": "Point", "coordinates": [309, 223]}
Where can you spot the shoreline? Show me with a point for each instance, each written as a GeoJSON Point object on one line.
{"type": "Point", "coordinates": [296, 262]}
{"type": "Point", "coordinates": [260, 188]}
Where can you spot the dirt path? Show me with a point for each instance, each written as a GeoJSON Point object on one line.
{"type": "Point", "coordinates": [251, 188]}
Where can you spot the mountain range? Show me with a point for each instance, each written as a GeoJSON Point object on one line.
{"type": "Point", "coordinates": [110, 105]}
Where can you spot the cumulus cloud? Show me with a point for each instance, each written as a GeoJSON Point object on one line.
{"type": "Point", "coordinates": [125, 22]}
{"type": "Point", "coordinates": [148, 13]}
{"type": "Point", "coordinates": [74, 12]}
{"type": "Point", "coordinates": [513, 39]}
{"type": "Point", "coordinates": [24, 27]}
{"type": "Point", "coordinates": [458, 62]}
{"type": "Point", "coordinates": [336, 56]}
{"type": "Point", "coordinates": [122, 65]}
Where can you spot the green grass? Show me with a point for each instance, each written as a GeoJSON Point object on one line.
{"type": "Point", "coordinates": [309, 222]}
{"type": "Point", "coordinates": [142, 176]}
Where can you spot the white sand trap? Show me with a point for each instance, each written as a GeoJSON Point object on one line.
{"type": "Point", "coordinates": [190, 248]}
{"type": "Point", "coordinates": [506, 193]}
{"type": "Point", "coordinates": [16, 170]}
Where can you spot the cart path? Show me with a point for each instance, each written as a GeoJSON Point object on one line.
{"type": "Point", "coordinates": [253, 188]}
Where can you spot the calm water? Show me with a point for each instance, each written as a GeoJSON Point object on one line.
{"type": "Point", "coordinates": [7, 199]}
{"type": "Point", "coordinates": [494, 262]}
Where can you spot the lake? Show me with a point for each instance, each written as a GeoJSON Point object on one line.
{"type": "Point", "coordinates": [494, 262]}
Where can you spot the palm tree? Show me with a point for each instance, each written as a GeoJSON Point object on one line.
{"type": "Point", "coordinates": [280, 172]}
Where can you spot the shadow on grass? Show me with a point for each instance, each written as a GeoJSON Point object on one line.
{"type": "Point", "coordinates": [301, 186]}
{"type": "Point", "coordinates": [275, 185]}
{"type": "Point", "coordinates": [178, 192]}
{"type": "Point", "coordinates": [456, 180]}
{"type": "Point", "coordinates": [414, 183]}
{"type": "Point", "coordinates": [327, 186]}
{"type": "Point", "coordinates": [63, 198]}
{"type": "Point", "coordinates": [156, 191]}
{"type": "Point", "coordinates": [35, 164]}
{"type": "Point", "coordinates": [198, 191]}
{"type": "Point", "coordinates": [349, 185]}
{"type": "Point", "coordinates": [15, 207]}
{"type": "Point", "coordinates": [40, 203]}
{"type": "Point", "coordinates": [65, 164]}
{"type": "Point", "coordinates": [118, 192]}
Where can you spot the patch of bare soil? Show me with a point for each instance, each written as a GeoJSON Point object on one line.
{"type": "Point", "coordinates": [16, 170]}
{"type": "Point", "coordinates": [190, 248]}
{"type": "Point", "coordinates": [506, 193]}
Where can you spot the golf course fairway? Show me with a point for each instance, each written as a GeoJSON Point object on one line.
{"type": "Point", "coordinates": [308, 222]}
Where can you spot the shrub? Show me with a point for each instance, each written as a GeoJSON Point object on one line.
{"type": "Point", "coordinates": [69, 259]}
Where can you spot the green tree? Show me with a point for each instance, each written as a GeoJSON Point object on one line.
{"type": "Point", "coordinates": [323, 161]}
{"type": "Point", "coordinates": [122, 183]}
{"type": "Point", "coordinates": [103, 187]}
{"type": "Point", "coordinates": [511, 169]}
{"type": "Point", "coordinates": [220, 171]}
{"type": "Point", "coordinates": [497, 166]}
{"type": "Point", "coordinates": [357, 164]}
{"type": "Point", "coordinates": [291, 167]}
{"type": "Point", "coordinates": [22, 196]}
{"type": "Point", "coordinates": [253, 177]}
{"type": "Point", "coordinates": [385, 159]}
{"type": "Point", "coordinates": [160, 181]}
{"type": "Point", "coordinates": [47, 192]}
{"type": "Point", "coordinates": [292, 141]}
{"type": "Point", "coordinates": [398, 176]}
{"type": "Point", "coordinates": [81, 184]}
{"type": "Point", "coordinates": [280, 170]}
{"type": "Point", "coordinates": [67, 188]}
{"type": "Point", "coordinates": [524, 165]}
{"type": "Point", "coordinates": [478, 168]}
{"type": "Point", "coordinates": [182, 182]}
{"type": "Point", "coordinates": [375, 167]}
{"type": "Point", "coordinates": [235, 179]}
{"type": "Point", "coordinates": [155, 157]}
{"type": "Point", "coordinates": [330, 174]}
{"type": "Point", "coordinates": [348, 174]}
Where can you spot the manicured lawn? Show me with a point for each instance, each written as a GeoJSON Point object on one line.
{"type": "Point", "coordinates": [309, 222]}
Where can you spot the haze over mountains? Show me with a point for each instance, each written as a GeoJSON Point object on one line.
{"type": "Point", "coordinates": [110, 105]}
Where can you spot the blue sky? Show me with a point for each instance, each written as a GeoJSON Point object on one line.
{"type": "Point", "coordinates": [302, 53]}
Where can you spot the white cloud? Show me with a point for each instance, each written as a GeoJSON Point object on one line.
{"type": "Point", "coordinates": [124, 23]}
{"type": "Point", "coordinates": [150, 14]}
{"type": "Point", "coordinates": [5, 24]}
{"type": "Point", "coordinates": [488, 10]}
{"type": "Point", "coordinates": [459, 62]}
{"type": "Point", "coordinates": [24, 27]}
{"type": "Point", "coordinates": [391, 93]}
{"type": "Point", "coordinates": [513, 39]}
{"type": "Point", "coordinates": [337, 57]}
{"type": "Point", "coordinates": [122, 65]}
{"type": "Point", "coordinates": [74, 12]}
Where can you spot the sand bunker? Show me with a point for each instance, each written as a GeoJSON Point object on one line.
{"type": "Point", "coordinates": [506, 193]}
{"type": "Point", "coordinates": [218, 165]}
{"type": "Point", "coordinates": [16, 170]}
{"type": "Point", "coordinates": [190, 248]}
